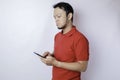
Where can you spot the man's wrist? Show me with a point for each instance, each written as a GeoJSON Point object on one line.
{"type": "Point", "coordinates": [57, 63]}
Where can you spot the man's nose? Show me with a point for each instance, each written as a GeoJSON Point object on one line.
{"type": "Point", "coordinates": [56, 20]}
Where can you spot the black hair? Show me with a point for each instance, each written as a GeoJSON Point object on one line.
{"type": "Point", "coordinates": [66, 7]}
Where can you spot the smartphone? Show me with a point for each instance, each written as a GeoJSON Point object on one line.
{"type": "Point", "coordinates": [39, 55]}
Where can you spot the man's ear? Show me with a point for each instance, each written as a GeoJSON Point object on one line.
{"type": "Point", "coordinates": [70, 16]}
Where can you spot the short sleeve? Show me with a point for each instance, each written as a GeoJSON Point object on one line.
{"type": "Point", "coordinates": [82, 49]}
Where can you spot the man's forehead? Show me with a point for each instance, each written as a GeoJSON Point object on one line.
{"type": "Point", "coordinates": [58, 11]}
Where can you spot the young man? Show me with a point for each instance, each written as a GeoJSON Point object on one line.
{"type": "Point", "coordinates": [71, 49]}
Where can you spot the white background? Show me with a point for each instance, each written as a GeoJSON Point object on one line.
{"type": "Point", "coordinates": [28, 25]}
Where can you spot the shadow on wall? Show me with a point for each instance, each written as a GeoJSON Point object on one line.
{"type": "Point", "coordinates": [115, 4]}
{"type": "Point", "coordinates": [77, 20]}
{"type": "Point", "coordinates": [116, 8]}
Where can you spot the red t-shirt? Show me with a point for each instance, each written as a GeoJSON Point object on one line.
{"type": "Point", "coordinates": [69, 47]}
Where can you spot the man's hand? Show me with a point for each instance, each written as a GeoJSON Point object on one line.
{"type": "Point", "coordinates": [45, 54]}
{"type": "Point", "coordinates": [49, 60]}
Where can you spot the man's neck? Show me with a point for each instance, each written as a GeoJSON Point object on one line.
{"type": "Point", "coordinates": [68, 28]}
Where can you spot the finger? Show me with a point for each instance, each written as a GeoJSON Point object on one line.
{"type": "Point", "coordinates": [43, 60]}
{"type": "Point", "coordinates": [46, 53]}
{"type": "Point", "coordinates": [48, 57]}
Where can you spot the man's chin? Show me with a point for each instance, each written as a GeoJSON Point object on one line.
{"type": "Point", "coordinates": [61, 27]}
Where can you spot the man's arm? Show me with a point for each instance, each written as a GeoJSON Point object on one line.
{"type": "Point", "coordinates": [79, 66]}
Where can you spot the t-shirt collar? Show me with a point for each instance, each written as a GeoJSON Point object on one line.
{"type": "Point", "coordinates": [70, 32]}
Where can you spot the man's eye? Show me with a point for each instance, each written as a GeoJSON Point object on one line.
{"type": "Point", "coordinates": [58, 16]}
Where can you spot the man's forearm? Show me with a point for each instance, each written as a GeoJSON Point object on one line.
{"type": "Point", "coordinates": [79, 66]}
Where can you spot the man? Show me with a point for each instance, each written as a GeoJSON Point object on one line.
{"type": "Point", "coordinates": [71, 50]}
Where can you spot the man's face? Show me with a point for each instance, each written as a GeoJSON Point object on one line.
{"type": "Point", "coordinates": [60, 18]}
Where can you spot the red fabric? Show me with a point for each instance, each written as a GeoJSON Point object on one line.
{"type": "Point", "coordinates": [69, 47]}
